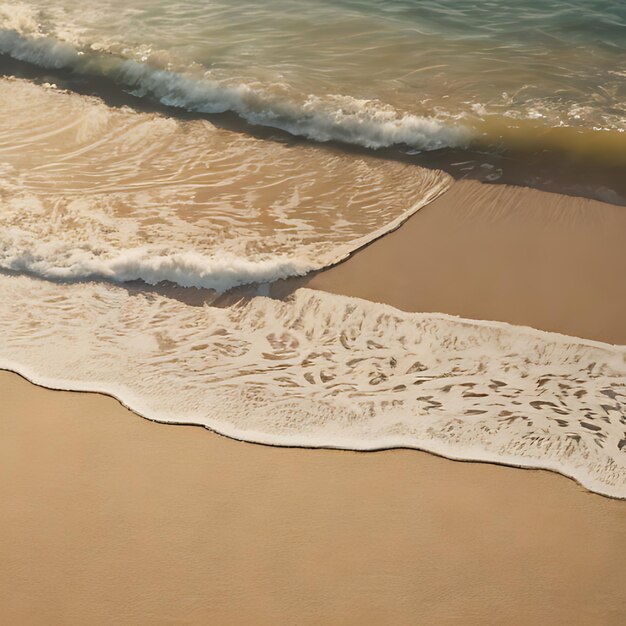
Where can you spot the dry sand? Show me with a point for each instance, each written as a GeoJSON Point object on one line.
{"type": "Point", "coordinates": [504, 253]}
{"type": "Point", "coordinates": [108, 518]}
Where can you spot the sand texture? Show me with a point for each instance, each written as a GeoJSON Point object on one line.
{"type": "Point", "coordinates": [504, 253]}
{"type": "Point", "coordinates": [111, 519]}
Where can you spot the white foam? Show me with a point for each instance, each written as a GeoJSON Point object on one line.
{"type": "Point", "coordinates": [187, 269]}
{"type": "Point", "coordinates": [329, 371]}
{"type": "Point", "coordinates": [332, 118]}
{"type": "Point", "coordinates": [20, 18]}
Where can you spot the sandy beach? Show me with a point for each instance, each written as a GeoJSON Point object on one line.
{"type": "Point", "coordinates": [109, 518]}
{"type": "Point", "coordinates": [312, 313]}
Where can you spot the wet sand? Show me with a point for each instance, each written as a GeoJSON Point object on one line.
{"type": "Point", "coordinates": [503, 253]}
{"type": "Point", "coordinates": [109, 518]}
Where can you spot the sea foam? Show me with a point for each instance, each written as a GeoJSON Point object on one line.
{"type": "Point", "coordinates": [320, 370]}
{"type": "Point", "coordinates": [333, 118]}
{"type": "Point", "coordinates": [187, 269]}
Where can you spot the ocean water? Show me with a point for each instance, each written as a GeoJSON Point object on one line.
{"type": "Point", "coordinates": [91, 191]}
{"type": "Point", "coordinates": [313, 66]}
{"type": "Point", "coordinates": [212, 145]}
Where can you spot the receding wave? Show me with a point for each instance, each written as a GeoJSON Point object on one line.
{"type": "Point", "coordinates": [321, 370]}
{"type": "Point", "coordinates": [332, 118]}
{"type": "Point", "coordinates": [89, 191]}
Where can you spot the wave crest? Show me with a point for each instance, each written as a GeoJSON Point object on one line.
{"type": "Point", "coordinates": [187, 269]}
{"type": "Point", "coordinates": [334, 118]}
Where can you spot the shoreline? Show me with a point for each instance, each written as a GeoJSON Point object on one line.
{"type": "Point", "coordinates": [521, 464]}
{"type": "Point", "coordinates": [375, 251]}
{"type": "Point", "coordinates": [460, 255]}
{"type": "Point", "coordinates": [492, 212]}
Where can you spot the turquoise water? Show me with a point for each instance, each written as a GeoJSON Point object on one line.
{"type": "Point", "coordinates": [317, 67]}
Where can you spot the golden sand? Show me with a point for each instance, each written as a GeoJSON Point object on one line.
{"type": "Point", "coordinates": [108, 518]}
{"type": "Point", "coordinates": [502, 253]}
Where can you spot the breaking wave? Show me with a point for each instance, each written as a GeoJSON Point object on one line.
{"type": "Point", "coordinates": [333, 118]}
{"type": "Point", "coordinates": [187, 269]}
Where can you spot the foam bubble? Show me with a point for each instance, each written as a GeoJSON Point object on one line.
{"type": "Point", "coordinates": [21, 18]}
{"type": "Point", "coordinates": [328, 371]}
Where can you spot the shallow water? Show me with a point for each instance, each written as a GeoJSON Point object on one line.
{"type": "Point", "coordinates": [90, 191]}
